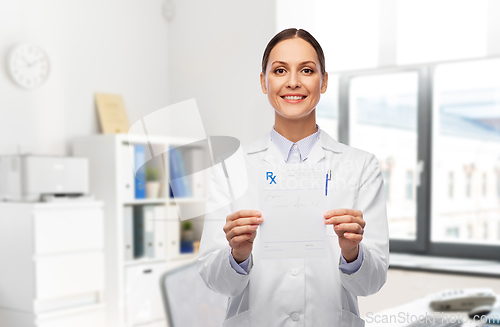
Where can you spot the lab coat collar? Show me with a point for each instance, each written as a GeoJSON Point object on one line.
{"type": "Point", "coordinates": [273, 155]}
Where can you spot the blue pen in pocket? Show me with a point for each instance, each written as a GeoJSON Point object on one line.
{"type": "Point", "coordinates": [328, 178]}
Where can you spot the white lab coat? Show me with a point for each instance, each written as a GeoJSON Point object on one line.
{"type": "Point", "coordinates": [296, 292]}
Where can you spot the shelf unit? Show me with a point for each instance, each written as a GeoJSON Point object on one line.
{"type": "Point", "coordinates": [132, 292]}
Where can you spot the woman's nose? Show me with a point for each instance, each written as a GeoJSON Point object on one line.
{"type": "Point", "coordinates": [293, 80]}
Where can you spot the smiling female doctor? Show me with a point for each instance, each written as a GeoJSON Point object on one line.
{"type": "Point", "coordinates": [307, 291]}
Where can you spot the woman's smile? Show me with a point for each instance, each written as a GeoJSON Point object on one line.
{"type": "Point", "coordinates": [293, 97]}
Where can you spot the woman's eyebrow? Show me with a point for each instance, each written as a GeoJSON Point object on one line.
{"type": "Point", "coordinates": [285, 63]}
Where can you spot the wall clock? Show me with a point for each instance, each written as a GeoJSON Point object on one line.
{"type": "Point", "coordinates": [28, 65]}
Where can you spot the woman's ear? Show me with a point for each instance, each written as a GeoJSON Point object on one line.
{"type": "Point", "coordinates": [324, 84]}
{"type": "Point", "coordinates": [263, 83]}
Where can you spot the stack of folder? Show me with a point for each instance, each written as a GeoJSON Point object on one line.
{"type": "Point", "coordinates": [179, 186]}
{"type": "Point", "coordinates": [145, 233]}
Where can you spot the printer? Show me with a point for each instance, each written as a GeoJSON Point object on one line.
{"type": "Point", "coordinates": [30, 178]}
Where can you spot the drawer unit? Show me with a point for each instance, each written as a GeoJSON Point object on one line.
{"type": "Point", "coordinates": [67, 229]}
{"type": "Point", "coordinates": [53, 270]}
{"type": "Point", "coordinates": [66, 275]}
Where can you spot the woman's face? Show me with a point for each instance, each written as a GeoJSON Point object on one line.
{"type": "Point", "coordinates": [293, 81]}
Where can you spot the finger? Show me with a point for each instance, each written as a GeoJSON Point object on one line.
{"type": "Point", "coordinates": [247, 221]}
{"type": "Point", "coordinates": [345, 219]}
{"type": "Point", "coordinates": [230, 223]}
{"type": "Point", "coordinates": [241, 230]}
{"type": "Point", "coordinates": [343, 212]}
{"type": "Point", "coordinates": [352, 228]}
{"type": "Point", "coordinates": [240, 238]}
{"type": "Point", "coordinates": [353, 237]}
{"type": "Point", "coordinates": [242, 222]}
{"type": "Point", "coordinates": [243, 214]}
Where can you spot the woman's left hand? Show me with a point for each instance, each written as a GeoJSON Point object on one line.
{"type": "Point", "coordinates": [349, 226]}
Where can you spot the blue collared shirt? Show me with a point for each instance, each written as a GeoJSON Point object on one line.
{"type": "Point", "coordinates": [293, 153]}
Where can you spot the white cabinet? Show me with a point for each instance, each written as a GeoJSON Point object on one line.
{"type": "Point", "coordinates": [143, 297]}
{"type": "Point", "coordinates": [83, 229]}
{"type": "Point", "coordinates": [132, 282]}
{"type": "Point", "coordinates": [52, 264]}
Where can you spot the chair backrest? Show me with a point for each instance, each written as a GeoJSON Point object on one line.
{"type": "Point", "coordinates": [188, 301]}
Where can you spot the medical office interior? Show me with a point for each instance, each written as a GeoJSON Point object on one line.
{"type": "Point", "coordinates": [85, 241]}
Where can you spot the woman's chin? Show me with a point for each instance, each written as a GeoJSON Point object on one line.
{"type": "Point", "coordinates": [293, 115]}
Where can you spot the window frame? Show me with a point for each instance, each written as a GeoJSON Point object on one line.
{"type": "Point", "coordinates": [422, 244]}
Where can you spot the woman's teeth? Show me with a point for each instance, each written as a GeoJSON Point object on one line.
{"type": "Point", "coordinates": [294, 97]}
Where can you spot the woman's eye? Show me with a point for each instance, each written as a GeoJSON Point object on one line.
{"type": "Point", "coordinates": [308, 71]}
{"type": "Point", "coordinates": [279, 71]}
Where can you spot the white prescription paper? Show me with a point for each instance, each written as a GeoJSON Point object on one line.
{"type": "Point", "coordinates": [292, 201]}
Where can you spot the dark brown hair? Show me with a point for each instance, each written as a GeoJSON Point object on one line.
{"type": "Point", "coordinates": [291, 33]}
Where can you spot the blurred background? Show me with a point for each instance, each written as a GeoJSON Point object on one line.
{"type": "Point", "coordinates": [416, 82]}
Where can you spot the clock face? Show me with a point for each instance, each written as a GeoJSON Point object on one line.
{"type": "Point", "coordinates": [28, 65]}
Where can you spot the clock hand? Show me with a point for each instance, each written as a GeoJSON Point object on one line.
{"type": "Point", "coordinates": [33, 62]}
{"type": "Point", "coordinates": [25, 60]}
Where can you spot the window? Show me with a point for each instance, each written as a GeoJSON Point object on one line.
{"type": "Point", "coordinates": [485, 231]}
{"type": "Point", "coordinates": [450, 184]}
{"type": "Point", "coordinates": [435, 130]}
{"type": "Point", "coordinates": [409, 185]}
{"type": "Point", "coordinates": [466, 138]}
{"type": "Point", "coordinates": [383, 121]}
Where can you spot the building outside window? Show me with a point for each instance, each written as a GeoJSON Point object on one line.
{"type": "Point", "coordinates": [498, 185]}
{"type": "Point", "coordinates": [469, 231]}
{"type": "Point", "coordinates": [409, 185]}
{"type": "Point", "coordinates": [386, 173]}
{"type": "Point", "coordinates": [450, 184]}
{"type": "Point", "coordinates": [468, 181]}
{"type": "Point", "coordinates": [453, 232]}
{"type": "Point", "coordinates": [484, 184]}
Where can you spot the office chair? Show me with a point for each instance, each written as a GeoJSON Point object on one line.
{"type": "Point", "coordinates": [188, 301]}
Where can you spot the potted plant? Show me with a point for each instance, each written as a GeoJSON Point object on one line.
{"type": "Point", "coordinates": [187, 237]}
{"type": "Point", "coordinates": [152, 183]}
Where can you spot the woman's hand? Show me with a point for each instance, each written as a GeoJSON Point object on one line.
{"type": "Point", "coordinates": [241, 229]}
{"type": "Point", "coordinates": [349, 226]}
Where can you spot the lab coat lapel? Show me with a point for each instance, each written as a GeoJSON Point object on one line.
{"type": "Point", "coordinates": [317, 153]}
{"type": "Point", "coordinates": [273, 154]}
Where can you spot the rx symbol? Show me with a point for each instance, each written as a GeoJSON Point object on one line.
{"type": "Point", "coordinates": [270, 175]}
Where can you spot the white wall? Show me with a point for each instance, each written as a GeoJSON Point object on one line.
{"type": "Point", "coordinates": [215, 53]}
{"type": "Point", "coordinates": [94, 46]}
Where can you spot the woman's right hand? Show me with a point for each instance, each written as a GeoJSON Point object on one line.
{"type": "Point", "coordinates": [241, 229]}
